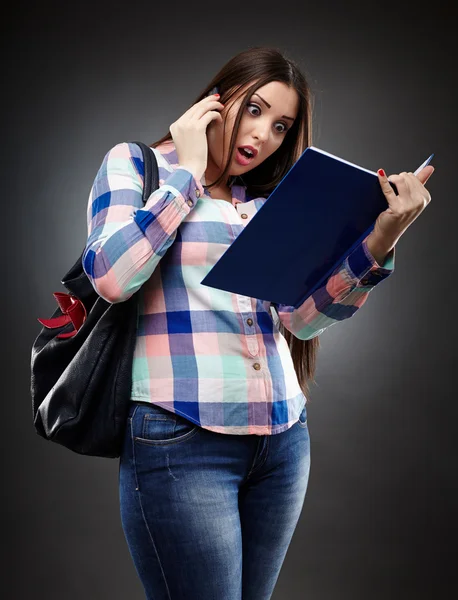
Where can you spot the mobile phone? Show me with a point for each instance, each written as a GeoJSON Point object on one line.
{"type": "Point", "coordinates": [215, 90]}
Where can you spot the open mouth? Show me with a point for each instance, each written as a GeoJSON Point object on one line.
{"type": "Point", "coordinates": [246, 153]}
{"type": "Point", "coordinates": [243, 156]}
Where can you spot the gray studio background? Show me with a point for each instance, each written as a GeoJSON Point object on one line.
{"type": "Point", "coordinates": [379, 519]}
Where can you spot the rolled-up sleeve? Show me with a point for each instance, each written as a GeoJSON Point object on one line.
{"type": "Point", "coordinates": [343, 293]}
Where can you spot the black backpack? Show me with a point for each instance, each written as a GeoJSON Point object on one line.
{"type": "Point", "coordinates": [81, 365]}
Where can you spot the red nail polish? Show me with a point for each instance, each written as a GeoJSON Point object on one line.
{"type": "Point", "coordinates": [381, 172]}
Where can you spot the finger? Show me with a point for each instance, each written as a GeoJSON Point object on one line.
{"type": "Point", "coordinates": [201, 107]}
{"type": "Point", "coordinates": [401, 181]}
{"type": "Point", "coordinates": [214, 105]}
{"type": "Point", "coordinates": [385, 185]}
{"type": "Point", "coordinates": [425, 174]}
{"type": "Point", "coordinates": [209, 116]}
{"type": "Point", "coordinates": [420, 188]}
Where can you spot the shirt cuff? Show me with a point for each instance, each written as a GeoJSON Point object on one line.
{"type": "Point", "coordinates": [364, 269]}
{"type": "Point", "coordinates": [184, 181]}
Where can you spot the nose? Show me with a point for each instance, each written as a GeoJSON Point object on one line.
{"type": "Point", "coordinates": [261, 132]}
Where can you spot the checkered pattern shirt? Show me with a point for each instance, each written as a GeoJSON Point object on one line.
{"type": "Point", "coordinates": [214, 357]}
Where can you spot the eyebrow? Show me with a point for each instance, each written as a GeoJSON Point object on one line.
{"type": "Point", "coordinates": [268, 106]}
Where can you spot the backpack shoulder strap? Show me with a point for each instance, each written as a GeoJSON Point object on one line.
{"type": "Point", "coordinates": [151, 176]}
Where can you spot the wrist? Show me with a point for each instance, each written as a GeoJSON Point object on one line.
{"type": "Point", "coordinates": [195, 172]}
{"type": "Point", "coordinates": [379, 247]}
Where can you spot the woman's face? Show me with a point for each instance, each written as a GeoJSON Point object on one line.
{"type": "Point", "coordinates": [263, 126]}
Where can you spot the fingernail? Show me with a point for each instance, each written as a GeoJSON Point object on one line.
{"type": "Point", "coordinates": [381, 172]}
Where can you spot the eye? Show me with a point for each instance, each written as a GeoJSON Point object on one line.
{"type": "Point", "coordinates": [251, 105]}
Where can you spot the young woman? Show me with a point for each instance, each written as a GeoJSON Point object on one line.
{"type": "Point", "coordinates": [216, 457]}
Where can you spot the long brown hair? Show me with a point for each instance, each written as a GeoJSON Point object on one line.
{"type": "Point", "coordinates": [258, 66]}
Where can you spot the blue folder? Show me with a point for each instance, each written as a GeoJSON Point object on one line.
{"type": "Point", "coordinates": [318, 213]}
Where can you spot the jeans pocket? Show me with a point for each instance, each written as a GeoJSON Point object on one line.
{"type": "Point", "coordinates": [155, 425]}
{"type": "Point", "coordinates": [303, 418]}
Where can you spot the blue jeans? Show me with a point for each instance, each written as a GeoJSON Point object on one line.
{"type": "Point", "coordinates": [209, 516]}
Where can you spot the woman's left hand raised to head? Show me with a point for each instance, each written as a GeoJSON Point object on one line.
{"type": "Point", "coordinates": [403, 209]}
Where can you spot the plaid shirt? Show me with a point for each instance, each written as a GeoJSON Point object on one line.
{"type": "Point", "coordinates": [214, 357]}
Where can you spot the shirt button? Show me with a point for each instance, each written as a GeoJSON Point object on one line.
{"type": "Point", "coordinates": [256, 366]}
{"type": "Point", "coordinates": [249, 321]}
{"type": "Point", "coordinates": [244, 216]}
{"type": "Point", "coordinates": [190, 202]}
{"type": "Point", "coordinates": [198, 193]}
{"type": "Point", "coordinates": [365, 281]}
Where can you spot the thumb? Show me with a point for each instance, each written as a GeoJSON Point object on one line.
{"type": "Point", "coordinates": [388, 188]}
